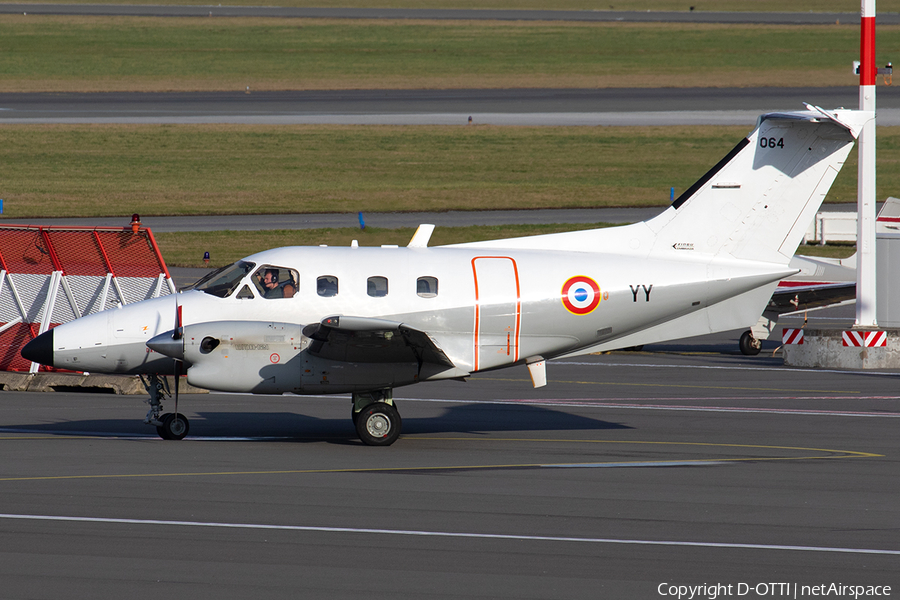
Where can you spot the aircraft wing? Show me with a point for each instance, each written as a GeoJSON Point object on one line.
{"type": "Point", "coordinates": [789, 298]}
{"type": "Point", "coordinates": [367, 340]}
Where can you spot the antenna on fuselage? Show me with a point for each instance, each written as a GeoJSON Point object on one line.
{"type": "Point", "coordinates": [421, 236]}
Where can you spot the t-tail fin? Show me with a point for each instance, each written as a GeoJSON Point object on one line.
{"type": "Point", "coordinates": [758, 201]}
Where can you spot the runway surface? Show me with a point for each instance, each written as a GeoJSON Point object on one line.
{"type": "Point", "coordinates": [588, 107]}
{"type": "Point", "coordinates": [688, 465]}
{"type": "Point", "coordinates": [386, 220]}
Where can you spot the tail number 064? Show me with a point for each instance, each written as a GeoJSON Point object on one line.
{"type": "Point", "coordinates": [771, 142]}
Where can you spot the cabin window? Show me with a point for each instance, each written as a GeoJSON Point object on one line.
{"type": "Point", "coordinates": [275, 282]}
{"type": "Point", "coordinates": [427, 287]}
{"type": "Point", "coordinates": [327, 285]}
{"type": "Point", "coordinates": [377, 287]}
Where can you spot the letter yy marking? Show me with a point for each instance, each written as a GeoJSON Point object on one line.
{"type": "Point", "coordinates": [636, 288]}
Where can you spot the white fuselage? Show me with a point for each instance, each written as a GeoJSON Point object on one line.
{"type": "Point", "coordinates": [492, 308]}
{"type": "Point", "coordinates": [707, 263]}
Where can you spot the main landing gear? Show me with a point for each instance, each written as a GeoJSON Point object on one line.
{"type": "Point", "coordinates": [377, 420]}
{"type": "Point", "coordinates": [749, 345]}
{"type": "Point", "coordinates": [169, 426]}
{"type": "Point", "coordinates": [374, 414]}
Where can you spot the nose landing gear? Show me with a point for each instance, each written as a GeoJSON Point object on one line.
{"type": "Point", "coordinates": [173, 427]}
{"type": "Point", "coordinates": [169, 426]}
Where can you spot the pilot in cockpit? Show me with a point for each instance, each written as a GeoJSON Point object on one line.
{"type": "Point", "coordinates": [274, 289]}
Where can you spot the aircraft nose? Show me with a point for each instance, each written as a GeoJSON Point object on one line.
{"type": "Point", "coordinates": [166, 344]}
{"type": "Point", "coordinates": [40, 349]}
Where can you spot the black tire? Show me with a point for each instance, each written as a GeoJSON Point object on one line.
{"type": "Point", "coordinates": [173, 428]}
{"type": "Point", "coordinates": [750, 346]}
{"type": "Point", "coordinates": [160, 429]}
{"type": "Point", "coordinates": [378, 424]}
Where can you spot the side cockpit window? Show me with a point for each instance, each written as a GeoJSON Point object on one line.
{"type": "Point", "coordinates": [327, 286]}
{"type": "Point", "coordinates": [276, 282]}
{"type": "Point", "coordinates": [224, 281]}
{"type": "Point", "coordinates": [427, 287]}
{"type": "Point", "coordinates": [377, 287]}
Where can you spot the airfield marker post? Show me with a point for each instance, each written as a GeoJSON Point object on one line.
{"type": "Point", "coordinates": [865, 235]}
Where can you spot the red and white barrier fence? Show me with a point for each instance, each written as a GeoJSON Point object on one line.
{"type": "Point", "coordinates": [53, 275]}
{"type": "Point", "coordinates": [791, 336]}
{"type": "Point", "coordinates": [865, 339]}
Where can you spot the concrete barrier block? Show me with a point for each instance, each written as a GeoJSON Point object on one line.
{"type": "Point", "coordinates": [11, 381]}
{"type": "Point", "coordinates": [825, 348]}
{"type": "Point", "coordinates": [79, 382]}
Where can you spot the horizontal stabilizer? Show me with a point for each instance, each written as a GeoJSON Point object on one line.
{"type": "Point", "coordinates": [793, 299]}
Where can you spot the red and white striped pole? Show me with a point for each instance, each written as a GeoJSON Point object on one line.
{"type": "Point", "coordinates": [865, 228]}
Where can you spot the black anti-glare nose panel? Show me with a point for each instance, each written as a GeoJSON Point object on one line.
{"type": "Point", "coordinates": [40, 349]}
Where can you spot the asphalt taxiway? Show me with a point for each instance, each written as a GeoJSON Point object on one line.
{"type": "Point", "coordinates": [687, 465]}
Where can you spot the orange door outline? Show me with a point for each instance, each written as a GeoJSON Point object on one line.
{"type": "Point", "coordinates": [478, 306]}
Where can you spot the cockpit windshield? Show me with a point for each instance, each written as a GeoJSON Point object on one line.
{"type": "Point", "coordinates": [224, 281]}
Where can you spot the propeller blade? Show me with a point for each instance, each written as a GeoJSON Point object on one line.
{"type": "Point", "coordinates": [176, 334]}
{"type": "Point", "coordinates": [177, 377]}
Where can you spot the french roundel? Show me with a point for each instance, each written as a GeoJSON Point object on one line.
{"type": "Point", "coordinates": [580, 295]}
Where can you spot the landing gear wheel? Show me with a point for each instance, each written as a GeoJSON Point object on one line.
{"type": "Point", "coordinates": [174, 427]}
{"type": "Point", "coordinates": [378, 424]}
{"type": "Point", "coordinates": [749, 345]}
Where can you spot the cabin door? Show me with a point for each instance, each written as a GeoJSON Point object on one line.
{"type": "Point", "coordinates": [497, 311]}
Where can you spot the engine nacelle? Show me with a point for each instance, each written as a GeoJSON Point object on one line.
{"type": "Point", "coordinates": [272, 358]}
{"type": "Point", "coordinates": [241, 356]}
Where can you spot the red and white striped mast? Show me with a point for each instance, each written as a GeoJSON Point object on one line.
{"type": "Point", "coordinates": [865, 228]}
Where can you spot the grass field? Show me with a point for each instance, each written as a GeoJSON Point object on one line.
{"type": "Point", "coordinates": [115, 170]}
{"type": "Point", "coordinates": [186, 249]}
{"type": "Point", "coordinates": [60, 53]}
{"type": "Point", "coordinates": [673, 5]}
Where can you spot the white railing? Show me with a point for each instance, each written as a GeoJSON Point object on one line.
{"type": "Point", "coordinates": [831, 227]}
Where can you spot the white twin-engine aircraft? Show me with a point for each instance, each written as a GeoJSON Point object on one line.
{"type": "Point", "coordinates": [318, 320]}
